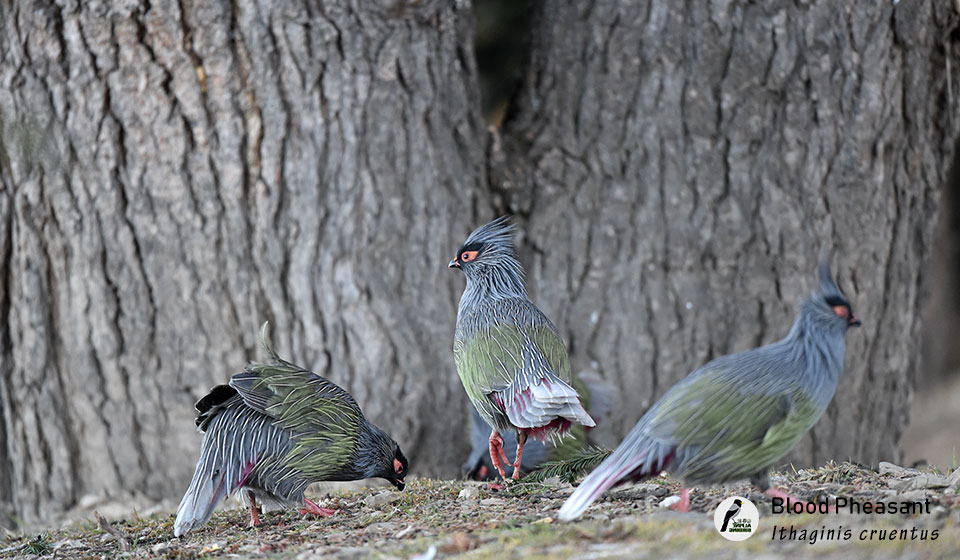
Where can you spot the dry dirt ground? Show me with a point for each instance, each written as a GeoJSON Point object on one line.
{"type": "Point", "coordinates": [457, 519]}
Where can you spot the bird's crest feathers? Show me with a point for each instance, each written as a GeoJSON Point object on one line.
{"type": "Point", "coordinates": [828, 286]}
{"type": "Point", "coordinates": [489, 261]}
{"type": "Point", "coordinates": [498, 232]}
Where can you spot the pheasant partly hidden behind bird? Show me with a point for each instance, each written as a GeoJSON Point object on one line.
{"type": "Point", "coordinates": [598, 398]}
{"type": "Point", "coordinates": [510, 357]}
{"type": "Point", "coordinates": [274, 430]}
{"type": "Point", "coordinates": [735, 416]}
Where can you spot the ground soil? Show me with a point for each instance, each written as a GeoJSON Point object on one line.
{"type": "Point", "coordinates": [461, 519]}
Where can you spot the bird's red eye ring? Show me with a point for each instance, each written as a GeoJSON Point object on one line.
{"type": "Point", "coordinates": [468, 256]}
{"type": "Point", "coordinates": [841, 311]}
{"type": "Point", "coordinates": [397, 466]}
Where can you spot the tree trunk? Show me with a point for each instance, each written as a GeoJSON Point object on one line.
{"type": "Point", "coordinates": [940, 353]}
{"type": "Point", "coordinates": [174, 174]}
{"type": "Point", "coordinates": [681, 166]}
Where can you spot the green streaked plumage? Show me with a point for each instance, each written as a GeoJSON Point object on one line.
{"type": "Point", "coordinates": [514, 365]}
{"type": "Point", "coordinates": [509, 356]}
{"type": "Point", "coordinates": [274, 430]}
{"type": "Point", "coordinates": [730, 430]}
{"type": "Point", "coordinates": [492, 358]}
{"type": "Point", "coordinates": [735, 416]}
{"type": "Point", "coordinates": [324, 421]}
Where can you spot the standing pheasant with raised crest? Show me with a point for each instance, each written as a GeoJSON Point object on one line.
{"type": "Point", "coordinates": [736, 416]}
{"type": "Point", "coordinates": [510, 358]}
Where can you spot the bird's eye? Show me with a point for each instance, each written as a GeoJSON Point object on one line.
{"type": "Point", "coordinates": [841, 311]}
{"type": "Point", "coordinates": [398, 466]}
{"type": "Point", "coordinates": [468, 256]}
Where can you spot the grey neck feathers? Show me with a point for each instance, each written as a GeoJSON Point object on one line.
{"type": "Point", "coordinates": [375, 450]}
{"type": "Point", "coordinates": [818, 342]}
{"type": "Point", "coordinates": [504, 279]}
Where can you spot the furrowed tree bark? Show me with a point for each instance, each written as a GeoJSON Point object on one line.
{"type": "Point", "coordinates": [680, 166]}
{"type": "Point", "coordinates": [940, 352]}
{"type": "Point", "coordinates": [173, 174]}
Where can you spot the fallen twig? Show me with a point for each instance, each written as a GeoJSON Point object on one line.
{"type": "Point", "coordinates": [117, 533]}
{"type": "Point", "coordinates": [14, 548]}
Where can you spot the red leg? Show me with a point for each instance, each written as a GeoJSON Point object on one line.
{"type": "Point", "coordinates": [313, 509]}
{"type": "Point", "coordinates": [775, 493]}
{"type": "Point", "coordinates": [521, 439]}
{"type": "Point", "coordinates": [254, 510]}
{"type": "Point", "coordinates": [496, 452]}
{"type": "Point", "coordinates": [684, 504]}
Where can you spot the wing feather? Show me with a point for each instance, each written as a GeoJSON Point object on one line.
{"type": "Point", "coordinates": [518, 367]}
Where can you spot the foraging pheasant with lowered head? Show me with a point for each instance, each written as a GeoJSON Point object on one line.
{"type": "Point", "coordinates": [274, 430]}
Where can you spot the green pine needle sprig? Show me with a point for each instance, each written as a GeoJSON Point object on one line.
{"type": "Point", "coordinates": [571, 468]}
{"type": "Point", "coordinates": [39, 545]}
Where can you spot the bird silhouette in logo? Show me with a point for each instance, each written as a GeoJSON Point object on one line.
{"type": "Point", "coordinates": [731, 513]}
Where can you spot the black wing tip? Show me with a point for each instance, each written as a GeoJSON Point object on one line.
{"type": "Point", "coordinates": [218, 395]}
{"type": "Point", "coordinates": [205, 406]}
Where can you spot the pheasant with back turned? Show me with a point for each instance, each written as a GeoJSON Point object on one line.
{"type": "Point", "coordinates": [598, 399]}
{"type": "Point", "coordinates": [274, 430]}
{"type": "Point", "coordinates": [510, 358]}
{"type": "Point", "coordinates": [735, 416]}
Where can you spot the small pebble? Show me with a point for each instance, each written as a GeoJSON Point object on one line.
{"type": "Point", "coordinates": [381, 499]}
{"type": "Point", "coordinates": [923, 481]}
{"type": "Point", "coordinates": [404, 532]}
{"type": "Point", "coordinates": [669, 501]}
{"type": "Point", "coordinates": [889, 468]}
{"type": "Point", "coordinates": [954, 479]}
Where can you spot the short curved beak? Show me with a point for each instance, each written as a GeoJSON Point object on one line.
{"type": "Point", "coordinates": [854, 321]}
{"type": "Point", "coordinates": [453, 264]}
{"type": "Point", "coordinates": [398, 483]}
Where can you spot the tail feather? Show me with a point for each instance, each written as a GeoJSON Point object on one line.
{"type": "Point", "coordinates": [637, 458]}
{"type": "Point", "coordinates": [227, 457]}
{"type": "Point", "coordinates": [538, 404]}
{"type": "Point", "coordinates": [238, 441]}
{"type": "Point", "coordinates": [205, 492]}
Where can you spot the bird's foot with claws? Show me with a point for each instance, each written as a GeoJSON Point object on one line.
{"type": "Point", "coordinates": [521, 439]}
{"type": "Point", "coordinates": [497, 455]}
{"type": "Point", "coordinates": [313, 509]}
{"type": "Point", "coordinates": [254, 511]}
